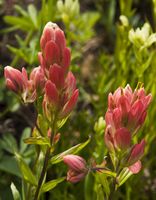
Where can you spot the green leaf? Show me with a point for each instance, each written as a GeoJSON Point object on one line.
{"type": "Point", "coordinates": [10, 29]}
{"type": "Point", "coordinates": [23, 23]}
{"type": "Point", "coordinates": [26, 171]}
{"type": "Point", "coordinates": [42, 123]}
{"type": "Point", "coordinates": [20, 41]}
{"type": "Point", "coordinates": [37, 140]}
{"type": "Point", "coordinates": [21, 11]}
{"type": "Point", "coordinates": [88, 190]}
{"type": "Point", "coordinates": [33, 14]}
{"type": "Point", "coordinates": [51, 184]}
{"type": "Point", "coordinates": [26, 133]}
{"type": "Point", "coordinates": [108, 172]}
{"type": "Point", "coordinates": [74, 150]}
{"type": "Point", "coordinates": [18, 52]}
{"type": "Point", "coordinates": [123, 176]}
{"type": "Point", "coordinates": [146, 64]}
{"type": "Point", "coordinates": [61, 122]}
{"type": "Point", "coordinates": [15, 192]}
{"type": "Point", "coordinates": [9, 164]}
{"type": "Point", "coordinates": [91, 18]}
{"type": "Point", "coordinates": [103, 180]}
{"type": "Point", "coordinates": [100, 193]}
{"type": "Point", "coordinates": [8, 143]}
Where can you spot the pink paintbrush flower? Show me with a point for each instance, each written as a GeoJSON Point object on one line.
{"type": "Point", "coordinates": [38, 79]}
{"type": "Point", "coordinates": [77, 168]}
{"type": "Point", "coordinates": [127, 108]}
{"type": "Point", "coordinates": [54, 50]}
{"type": "Point", "coordinates": [18, 82]}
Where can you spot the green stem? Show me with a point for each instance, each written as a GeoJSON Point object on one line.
{"type": "Point", "coordinates": [28, 191]}
{"type": "Point", "coordinates": [44, 169]}
{"type": "Point", "coordinates": [53, 132]}
{"type": "Point", "coordinates": [46, 161]}
{"type": "Point", "coordinates": [113, 189]}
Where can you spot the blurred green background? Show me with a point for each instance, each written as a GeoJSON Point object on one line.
{"type": "Point", "coordinates": [112, 44]}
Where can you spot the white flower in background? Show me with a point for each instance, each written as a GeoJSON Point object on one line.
{"type": "Point", "coordinates": [142, 37]}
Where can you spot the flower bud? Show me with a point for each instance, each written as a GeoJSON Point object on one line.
{"type": "Point", "coordinates": [124, 20]}
{"type": "Point", "coordinates": [38, 79]}
{"type": "Point", "coordinates": [15, 80]}
{"type": "Point", "coordinates": [60, 89]}
{"type": "Point", "coordinates": [18, 82]}
{"type": "Point", "coordinates": [142, 37]}
{"type": "Point", "coordinates": [77, 168]}
{"type": "Point", "coordinates": [100, 125]}
{"type": "Point", "coordinates": [53, 33]}
{"type": "Point", "coordinates": [53, 46]}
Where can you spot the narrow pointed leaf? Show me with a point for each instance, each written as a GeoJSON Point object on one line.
{"type": "Point", "coordinates": [103, 180]}
{"type": "Point", "coordinates": [22, 23]}
{"type": "Point", "coordinates": [9, 144]}
{"type": "Point", "coordinates": [26, 171]}
{"type": "Point", "coordinates": [33, 14]}
{"type": "Point", "coordinates": [123, 176]}
{"type": "Point", "coordinates": [15, 192]}
{"type": "Point", "coordinates": [26, 133]}
{"type": "Point", "coordinates": [108, 173]}
{"type": "Point", "coordinates": [37, 140]}
{"type": "Point", "coordinates": [21, 11]}
{"type": "Point", "coordinates": [74, 150]}
{"type": "Point", "coordinates": [51, 184]}
{"type": "Point", "coordinates": [9, 165]}
{"type": "Point", "coordinates": [88, 187]}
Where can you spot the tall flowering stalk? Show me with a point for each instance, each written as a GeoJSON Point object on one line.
{"type": "Point", "coordinates": [125, 115]}
{"type": "Point", "coordinates": [52, 80]}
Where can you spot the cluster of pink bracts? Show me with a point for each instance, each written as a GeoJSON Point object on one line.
{"type": "Point", "coordinates": [51, 79]}
{"type": "Point", "coordinates": [126, 109]}
{"type": "Point", "coordinates": [125, 115]}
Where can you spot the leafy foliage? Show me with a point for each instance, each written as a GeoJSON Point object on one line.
{"type": "Point", "coordinates": [111, 52]}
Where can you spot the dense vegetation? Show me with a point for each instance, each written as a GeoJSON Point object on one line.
{"type": "Point", "coordinates": [112, 44]}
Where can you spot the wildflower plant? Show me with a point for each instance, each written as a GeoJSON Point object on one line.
{"type": "Point", "coordinates": [51, 87]}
